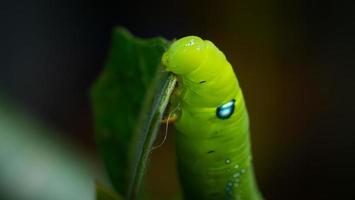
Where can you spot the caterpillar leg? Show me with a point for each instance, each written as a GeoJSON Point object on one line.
{"type": "Point", "coordinates": [172, 117]}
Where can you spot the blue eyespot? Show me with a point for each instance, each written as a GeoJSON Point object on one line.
{"type": "Point", "coordinates": [226, 110]}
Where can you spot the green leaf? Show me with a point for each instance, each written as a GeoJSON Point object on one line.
{"type": "Point", "coordinates": [149, 127]}
{"type": "Point", "coordinates": [128, 102]}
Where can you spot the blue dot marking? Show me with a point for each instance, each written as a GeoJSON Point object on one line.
{"type": "Point", "coordinates": [226, 110]}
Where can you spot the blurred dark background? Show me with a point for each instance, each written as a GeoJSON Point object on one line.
{"type": "Point", "coordinates": [294, 60]}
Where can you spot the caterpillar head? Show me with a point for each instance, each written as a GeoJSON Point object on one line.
{"type": "Point", "coordinates": [184, 55]}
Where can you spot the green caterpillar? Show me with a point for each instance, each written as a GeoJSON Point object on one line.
{"type": "Point", "coordinates": [213, 148]}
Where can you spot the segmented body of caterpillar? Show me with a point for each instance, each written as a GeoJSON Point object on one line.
{"type": "Point", "coordinates": [213, 147]}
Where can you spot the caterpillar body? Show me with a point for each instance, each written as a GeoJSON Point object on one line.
{"type": "Point", "coordinates": [213, 147]}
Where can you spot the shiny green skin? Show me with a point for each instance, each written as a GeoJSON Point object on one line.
{"type": "Point", "coordinates": [214, 156]}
